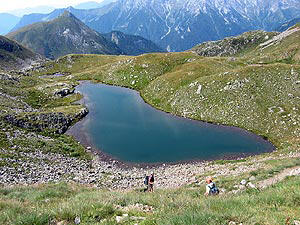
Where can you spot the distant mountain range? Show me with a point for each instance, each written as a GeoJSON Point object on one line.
{"type": "Point", "coordinates": [38, 9]}
{"type": "Point", "coordinates": [93, 4]}
{"type": "Point", "coordinates": [12, 17]}
{"type": "Point", "coordinates": [15, 56]}
{"type": "Point", "coordinates": [66, 34]}
{"type": "Point", "coordinates": [178, 25]}
{"type": "Point", "coordinates": [10, 22]}
{"type": "Point", "coordinates": [48, 9]}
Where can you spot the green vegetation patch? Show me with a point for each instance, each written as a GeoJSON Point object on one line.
{"type": "Point", "coordinates": [65, 202]}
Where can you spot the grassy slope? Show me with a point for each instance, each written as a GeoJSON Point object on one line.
{"type": "Point", "coordinates": [62, 202]}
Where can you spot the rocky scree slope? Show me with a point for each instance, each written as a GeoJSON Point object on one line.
{"type": "Point", "coordinates": [62, 36]}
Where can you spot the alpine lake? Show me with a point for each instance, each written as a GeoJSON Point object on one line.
{"type": "Point", "coordinates": [122, 126]}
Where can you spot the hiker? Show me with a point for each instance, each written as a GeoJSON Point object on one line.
{"type": "Point", "coordinates": [151, 182]}
{"type": "Point", "coordinates": [146, 182]}
{"type": "Point", "coordinates": [211, 188]}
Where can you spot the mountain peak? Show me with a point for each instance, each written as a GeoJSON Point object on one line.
{"type": "Point", "coordinates": [67, 14]}
{"type": "Point", "coordinates": [63, 35]}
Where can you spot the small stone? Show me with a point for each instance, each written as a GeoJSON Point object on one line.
{"type": "Point", "coordinates": [232, 223]}
{"type": "Point", "coordinates": [242, 187]}
{"type": "Point", "coordinates": [119, 219]}
{"type": "Point", "coordinates": [77, 220]}
{"type": "Point", "coordinates": [252, 178]}
{"type": "Point", "coordinates": [137, 218]}
{"type": "Point", "coordinates": [296, 222]}
{"type": "Point", "coordinates": [250, 185]}
{"type": "Point", "coordinates": [243, 182]}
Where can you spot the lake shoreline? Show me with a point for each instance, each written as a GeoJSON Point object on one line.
{"type": "Point", "coordinates": [77, 132]}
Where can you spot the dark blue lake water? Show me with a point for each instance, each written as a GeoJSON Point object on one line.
{"type": "Point", "coordinates": [123, 126]}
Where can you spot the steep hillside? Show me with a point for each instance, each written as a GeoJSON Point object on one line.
{"type": "Point", "coordinates": [62, 36]}
{"type": "Point", "coordinates": [14, 56]}
{"type": "Point", "coordinates": [179, 25]}
{"type": "Point", "coordinates": [131, 44]}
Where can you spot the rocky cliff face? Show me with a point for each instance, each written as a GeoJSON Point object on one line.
{"type": "Point", "coordinates": [55, 122]}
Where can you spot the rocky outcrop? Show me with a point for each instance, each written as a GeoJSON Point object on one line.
{"type": "Point", "coordinates": [8, 77]}
{"type": "Point", "coordinates": [64, 92]}
{"type": "Point", "coordinates": [57, 122]}
{"type": "Point", "coordinates": [233, 45]}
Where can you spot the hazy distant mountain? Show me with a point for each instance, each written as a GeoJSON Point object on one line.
{"type": "Point", "coordinates": [15, 56]}
{"type": "Point", "coordinates": [8, 21]}
{"type": "Point", "coordinates": [39, 9]}
{"type": "Point", "coordinates": [178, 25]}
{"type": "Point", "coordinates": [93, 4]}
{"type": "Point", "coordinates": [132, 44]}
{"type": "Point", "coordinates": [288, 24]}
{"type": "Point", "coordinates": [87, 5]}
{"type": "Point", "coordinates": [63, 35]}
{"type": "Point", "coordinates": [38, 17]}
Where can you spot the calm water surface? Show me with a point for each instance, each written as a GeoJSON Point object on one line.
{"type": "Point", "coordinates": [123, 126]}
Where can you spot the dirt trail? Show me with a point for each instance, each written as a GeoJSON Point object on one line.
{"type": "Point", "coordinates": [294, 171]}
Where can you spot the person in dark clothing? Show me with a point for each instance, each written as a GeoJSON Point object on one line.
{"type": "Point", "coordinates": [151, 182]}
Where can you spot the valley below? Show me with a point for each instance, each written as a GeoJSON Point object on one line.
{"type": "Point", "coordinates": [255, 88]}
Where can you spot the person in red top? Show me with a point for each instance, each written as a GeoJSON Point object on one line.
{"type": "Point", "coordinates": [211, 188]}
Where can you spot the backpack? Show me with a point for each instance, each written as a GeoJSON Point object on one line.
{"type": "Point", "coordinates": [146, 180]}
{"type": "Point", "coordinates": [213, 189]}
